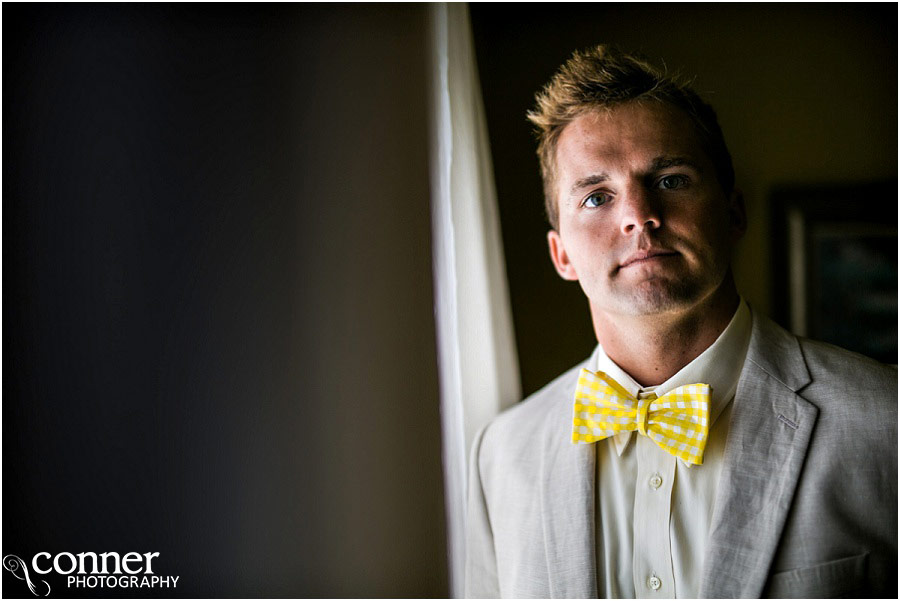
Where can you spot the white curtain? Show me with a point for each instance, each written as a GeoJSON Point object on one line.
{"type": "Point", "coordinates": [478, 365]}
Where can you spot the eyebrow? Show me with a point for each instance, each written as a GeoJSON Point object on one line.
{"type": "Point", "coordinates": [590, 180]}
{"type": "Point", "coordinates": [657, 164]}
{"type": "Point", "coordinates": [660, 163]}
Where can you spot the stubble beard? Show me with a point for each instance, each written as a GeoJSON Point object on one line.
{"type": "Point", "coordinates": [655, 296]}
{"type": "Point", "coordinates": [661, 293]}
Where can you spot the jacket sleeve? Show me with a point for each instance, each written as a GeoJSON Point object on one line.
{"type": "Point", "coordinates": [481, 580]}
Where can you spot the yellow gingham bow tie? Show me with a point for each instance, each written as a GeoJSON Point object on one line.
{"type": "Point", "coordinates": [678, 421]}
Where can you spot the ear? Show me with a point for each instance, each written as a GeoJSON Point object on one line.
{"type": "Point", "coordinates": [738, 214]}
{"type": "Point", "coordinates": [560, 258]}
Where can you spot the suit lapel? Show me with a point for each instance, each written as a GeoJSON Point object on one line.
{"type": "Point", "coordinates": [767, 442]}
{"type": "Point", "coordinates": [568, 508]}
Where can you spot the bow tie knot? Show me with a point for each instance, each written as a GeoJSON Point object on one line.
{"type": "Point", "coordinates": [678, 421]}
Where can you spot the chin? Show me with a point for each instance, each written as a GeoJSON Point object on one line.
{"type": "Point", "coordinates": [658, 296]}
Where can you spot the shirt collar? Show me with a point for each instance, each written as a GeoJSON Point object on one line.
{"type": "Point", "coordinates": [719, 366]}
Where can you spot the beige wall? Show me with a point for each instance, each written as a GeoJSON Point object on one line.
{"type": "Point", "coordinates": [218, 317]}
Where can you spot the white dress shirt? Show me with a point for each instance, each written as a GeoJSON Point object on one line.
{"type": "Point", "coordinates": [653, 510]}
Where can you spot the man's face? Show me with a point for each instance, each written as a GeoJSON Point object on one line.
{"type": "Point", "coordinates": [644, 225]}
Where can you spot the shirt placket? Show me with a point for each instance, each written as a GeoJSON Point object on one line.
{"type": "Point", "coordinates": [652, 565]}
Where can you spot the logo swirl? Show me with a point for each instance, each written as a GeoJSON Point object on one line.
{"type": "Point", "coordinates": [14, 564]}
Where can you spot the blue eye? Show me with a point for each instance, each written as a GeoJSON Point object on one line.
{"type": "Point", "coordinates": [672, 182]}
{"type": "Point", "coordinates": [596, 199]}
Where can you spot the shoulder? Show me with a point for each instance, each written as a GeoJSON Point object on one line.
{"type": "Point", "coordinates": [840, 367]}
{"type": "Point", "coordinates": [834, 379]}
{"type": "Point", "coordinates": [523, 429]}
{"type": "Point", "coordinates": [849, 386]}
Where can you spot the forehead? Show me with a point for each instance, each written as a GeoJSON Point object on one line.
{"type": "Point", "coordinates": [629, 136]}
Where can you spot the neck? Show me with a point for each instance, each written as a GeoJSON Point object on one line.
{"type": "Point", "coordinates": [653, 348]}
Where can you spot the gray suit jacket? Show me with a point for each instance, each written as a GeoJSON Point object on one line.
{"type": "Point", "coordinates": [807, 500]}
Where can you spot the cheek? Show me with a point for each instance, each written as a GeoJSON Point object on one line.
{"type": "Point", "coordinates": [719, 240]}
{"type": "Point", "coordinates": [591, 253]}
{"type": "Point", "coordinates": [705, 232]}
{"type": "Point", "coordinates": [710, 219]}
{"type": "Point", "coordinates": [596, 245]}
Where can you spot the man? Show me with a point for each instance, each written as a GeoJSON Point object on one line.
{"type": "Point", "coordinates": [701, 451]}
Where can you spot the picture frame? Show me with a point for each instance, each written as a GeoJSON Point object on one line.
{"type": "Point", "coordinates": [834, 264]}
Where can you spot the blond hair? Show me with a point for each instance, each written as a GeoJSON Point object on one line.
{"type": "Point", "coordinates": [603, 77]}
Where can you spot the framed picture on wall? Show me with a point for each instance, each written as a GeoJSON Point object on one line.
{"type": "Point", "coordinates": [835, 265]}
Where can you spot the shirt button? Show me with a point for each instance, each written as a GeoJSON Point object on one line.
{"type": "Point", "coordinates": [655, 481]}
{"type": "Point", "coordinates": [654, 583]}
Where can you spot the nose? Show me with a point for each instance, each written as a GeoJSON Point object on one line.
{"type": "Point", "coordinates": [640, 211]}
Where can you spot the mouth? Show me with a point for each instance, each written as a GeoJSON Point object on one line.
{"type": "Point", "coordinates": [646, 256]}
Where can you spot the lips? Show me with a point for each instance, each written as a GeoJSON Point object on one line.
{"type": "Point", "coordinates": [642, 256]}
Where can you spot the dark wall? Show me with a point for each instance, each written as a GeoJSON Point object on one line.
{"type": "Point", "coordinates": [217, 310]}
{"type": "Point", "coordinates": [806, 95]}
